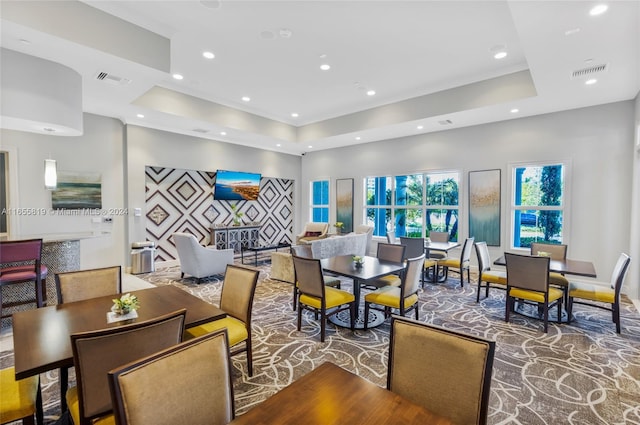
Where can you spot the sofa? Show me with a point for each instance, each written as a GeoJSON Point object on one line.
{"type": "Point", "coordinates": [351, 244]}
{"type": "Point", "coordinates": [312, 231]}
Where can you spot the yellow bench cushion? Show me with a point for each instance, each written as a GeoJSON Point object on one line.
{"type": "Point", "coordinates": [590, 291]}
{"type": "Point", "coordinates": [73, 402]}
{"type": "Point", "coordinates": [334, 298]}
{"type": "Point", "coordinates": [389, 296]}
{"type": "Point", "coordinates": [17, 398]}
{"type": "Point", "coordinates": [236, 330]}
{"type": "Point", "coordinates": [554, 294]}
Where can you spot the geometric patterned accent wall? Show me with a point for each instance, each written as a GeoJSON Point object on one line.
{"type": "Point", "coordinates": [182, 201]}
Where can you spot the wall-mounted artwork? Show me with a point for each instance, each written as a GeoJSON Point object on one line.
{"type": "Point", "coordinates": [344, 203]}
{"type": "Point", "coordinates": [484, 206]}
{"type": "Point", "coordinates": [77, 190]}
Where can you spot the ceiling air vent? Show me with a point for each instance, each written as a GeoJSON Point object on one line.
{"type": "Point", "coordinates": [112, 79]}
{"type": "Point", "coordinates": [586, 72]}
{"type": "Point", "coordinates": [445, 122]}
{"type": "Point", "coordinates": [200, 130]}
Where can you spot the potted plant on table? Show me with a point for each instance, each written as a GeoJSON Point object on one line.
{"type": "Point", "coordinates": [237, 215]}
{"type": "Point", "coordinates": [125, 304]}
{"type": "Point", "coordinates": [339, 226]}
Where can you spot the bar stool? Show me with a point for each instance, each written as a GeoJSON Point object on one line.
{"type": "Point", "coordinates": [20, 261]}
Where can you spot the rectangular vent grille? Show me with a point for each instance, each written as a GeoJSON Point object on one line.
{"type": "Point", "coordinates": [200, 130]}
{"type": "Point", "coordinates": [445, 122]}
{"type": "Point", "coordinates": [585, 72]}
{"type": "Point", "coordinates": [112, 79]}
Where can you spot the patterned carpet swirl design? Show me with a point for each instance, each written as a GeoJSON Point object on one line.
{"type": "Point", "coordinates": [582, 373]}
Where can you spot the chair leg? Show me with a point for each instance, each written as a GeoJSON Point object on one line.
{"type": "Point", "coordinates": [479, 288]}
{"type": "Point", "coordinates": [295, 296]}
{"type": "Point", "coordinates": [39, 409]}
{"type": "Point", "coordinates": [64, 385]}
{"type": "Point", "coordinates": [508, 307]}
{"type": "Point", "coordinates": [546, 316]}
{"type": "Point", "coordinates": [417, 311]}
{"type": "Point", "coordinates": [366, 315]}
{"type": "Point", "coordinates": [352, 310]}
{"type": "Point", "coordinates": [323, 323]}
{"type": "Point", "coordinates": [569, 309]}
{"type": "Point", "coordinates": [560, 310]}
{"type": "Point", "coordinates": [615, 310]}
{"type": "Point", "coordinates": [249, 354]}
{"type": "Point", "coordinates": [299, 317]}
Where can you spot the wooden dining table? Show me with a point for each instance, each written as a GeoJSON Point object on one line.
{"type": "Point", "coordinates": [41, 337]}
{"type": "Point", "coordinates": [566, 266]}
{"type": "Point", "coordinates": [372, 268]}
{"type": "Point", "coordinates": [436, 276]}
{"type": "Point", "coordinates": [331, 395]}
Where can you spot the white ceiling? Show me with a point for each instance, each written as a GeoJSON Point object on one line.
{"type": "Point", "coordinates": [428, 61]}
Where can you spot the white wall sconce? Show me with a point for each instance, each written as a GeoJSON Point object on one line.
{"type": "Point", "coordinates": [50, 174]}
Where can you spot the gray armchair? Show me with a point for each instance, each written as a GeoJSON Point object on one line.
{"type": "Point", "coordinates": [312, 231]}
{"type": "Point", "coordinates": [199, 261]}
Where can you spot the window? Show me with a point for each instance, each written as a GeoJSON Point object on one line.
{"type": "Point", "coordinates": [320, 201]}
{"type": "Point", "coordinates": [538, 204]}
{"type": "Point", "coordinates": [413, 205]}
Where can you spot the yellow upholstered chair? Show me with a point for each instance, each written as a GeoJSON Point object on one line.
{"type": "Point", "coordinates": [528, 281]}
{"type": "Point", "coordinates": [415, 248]}
{"type": "Point", "coordinates": [393, 253]}
{"type": "Point", "coordinates": [490, 278]}
{"type": "Point", "coordinates": [21, 399]}
{"type": "Point", "coordinates": [189, 383]}
{"type": "Point", "coordinates": [312, 231]}
{"type": "Point", "coordinates": [81, 285]}
{"type": "Point", "coordinates": [95, 353]}
{"type": "Point", "coordinates": [403, 298]}
{"type": "Point", "coordinates": [607, 298]}
{"type": "Point", "coordinates": [236, 299]}
{"type": "Point", "coordinates": [447, 372]}
{"type": "Point", "coordinates": [305, 251]}
{"type": "Point", "coordinates": [459, 265]}
{"type": "Point", "coordinates": [555, 252]}
{"type": "Point", "coordinates": [314, 295]}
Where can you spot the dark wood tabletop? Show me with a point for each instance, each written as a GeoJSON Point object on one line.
{"type": "Point", "coordinates": [331, 395]}
{"type": "Point", "coordinates": [572, 267]}
{"type": "Point", "coordinates": [41, 336]}
{"type": "Point", "coordinates": [441, 246]}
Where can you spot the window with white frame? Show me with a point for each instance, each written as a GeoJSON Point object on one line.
{"type": "Point", "coordinates": [538, 204]}
{"type": "Point", "coordinates": [319, 208]}
{"type": "Point", "coordinates": [414, 204]}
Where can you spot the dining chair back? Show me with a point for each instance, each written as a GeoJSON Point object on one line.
{"type": "Point", "coordinates": [391, 252]}
{"type": "Point", "coordinates": [391, 237]}
{"type": "Point", "coordinates": [594, 295]}
{"type": "Point", "coordinates": [459, 265]}
{"type": "Point", "coordinates": [315, 295]}
{"type": "Point", "coordinates": [415, 246]}
{"type": "Point", "coordinates": [490, 278]}
{"type": "Point", "coordinates": [555, 251]}
{"type": "Point", "coordinates": [20, 262]}
{"type": "Point", "coordinates": [528, 281]}
{"type": "Point", "coordinates": [97, 352]}
{"type": "Point", "coordinates": [90, 283]}
{"type": "Point", "coordinates": [439, 236]}
{"type": "Point", "coordinates": [236, 299]}
{"type": "Point", "coordinates": [186, 384]}
{"type": "Point", "coordinates": [446, 371]}
{"type": "Point", "coordinates": [403, 298]}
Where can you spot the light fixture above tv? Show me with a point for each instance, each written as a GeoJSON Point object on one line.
{"type": "Point", "coordinates": [236, 186]}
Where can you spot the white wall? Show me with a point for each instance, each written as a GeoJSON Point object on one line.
{"type": "Point", "coordinates": [634, 250]}
{"type": "Point", "coordinates": [599, 142]}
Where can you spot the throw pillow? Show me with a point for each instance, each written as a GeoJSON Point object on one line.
{"type": "Point", "coordinates": [307, 234]}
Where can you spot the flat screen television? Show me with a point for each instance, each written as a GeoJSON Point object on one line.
{"type": "Point", "coordinates": [236, 186]}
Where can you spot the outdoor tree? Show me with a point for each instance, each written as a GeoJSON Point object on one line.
{"type": "Point", "coordinates": [551, 188]}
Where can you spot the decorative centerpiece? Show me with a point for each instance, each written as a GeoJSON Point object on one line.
{"type": "Point", "coordinates": [358, 260]}
{"type": "Point", "coordinates": [237, 215]}
{"type": "Point", "coordinates": [339, 226]}
{"type": "Point", "coordinates": [124, 308]}
{"type": "Point", "coordinates": [544, 254]}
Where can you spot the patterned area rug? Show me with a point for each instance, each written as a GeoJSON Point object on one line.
{"type": "Point", "coordinates": [582, 373]}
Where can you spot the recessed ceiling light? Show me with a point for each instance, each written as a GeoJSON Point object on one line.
{"type": "Point", "coordinates": [598, 10]}
{"type": "Point", "coordinates": [278, 145]}
{"type": "Point", "coordinates": [572, 31]}
{"type": "Point", "coordinates": [140, 116]}
{"type": "Point", "coordinates": [208, 55]}
{"type": "Point", "coordinates": [223, 133]}
{"type": "Point", "coordinates": [357, 137]}
{"type": "Point", "coordinates": [500, 55]}
{"type": "Point", "coordinates": [591, 81]}
{"type": "Point", "coordinates": [246, 99]}
{"type": "Point", "coordinates": [515, 110]}
{"type": "Point", "coordinates": [295, 115]}
{"type": "Point", "coordinates": [177, 76]}
{"type": "Point", "coordinates": [420, 127]}
{"type": "Point", "coordinates": [371, 92]}
{"type": "Point", "coordinates": [325, 67]}
{"type": "Point", "coordinates": [310, 147]}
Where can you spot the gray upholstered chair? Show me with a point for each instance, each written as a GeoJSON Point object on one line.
{"type": "Point", "coordinates": [315, 295]}
{"type": "Point", "coordinates": [607, 298]}
{"type": "Point", "coordinates": [447, 372]}
{"type": "Point", "coordinates": [198, 261]}
{"type": "Point", "coordinates": [442, 237]}
{"type": "Point", "coordinates": [490, 278]}
{"type": "Point", "coordinates": [312, 231]}
{"type": "Point", "coordinates": [304, 251]}
{"type": "Point", "coordinates": [403, 298]}
{"type": "Point", "coordinates": [189, 383]}
{"type": "Point", "coordinates": [391, 237]}
{"type": "Point", "coordinates": [393, 253]}
{"type": "Point", "coordinates": [236, 299]}
{"type": "Point", "coordinates": [528, 282]}
{"type": "Point", "coordinates": [97, 352]}
{"type": "Point", "coordinates": [555, 252]}
{"type": "Point", "coordinates": [415, 248]}
{"type": "Point", "coordinates": [459, 265]}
